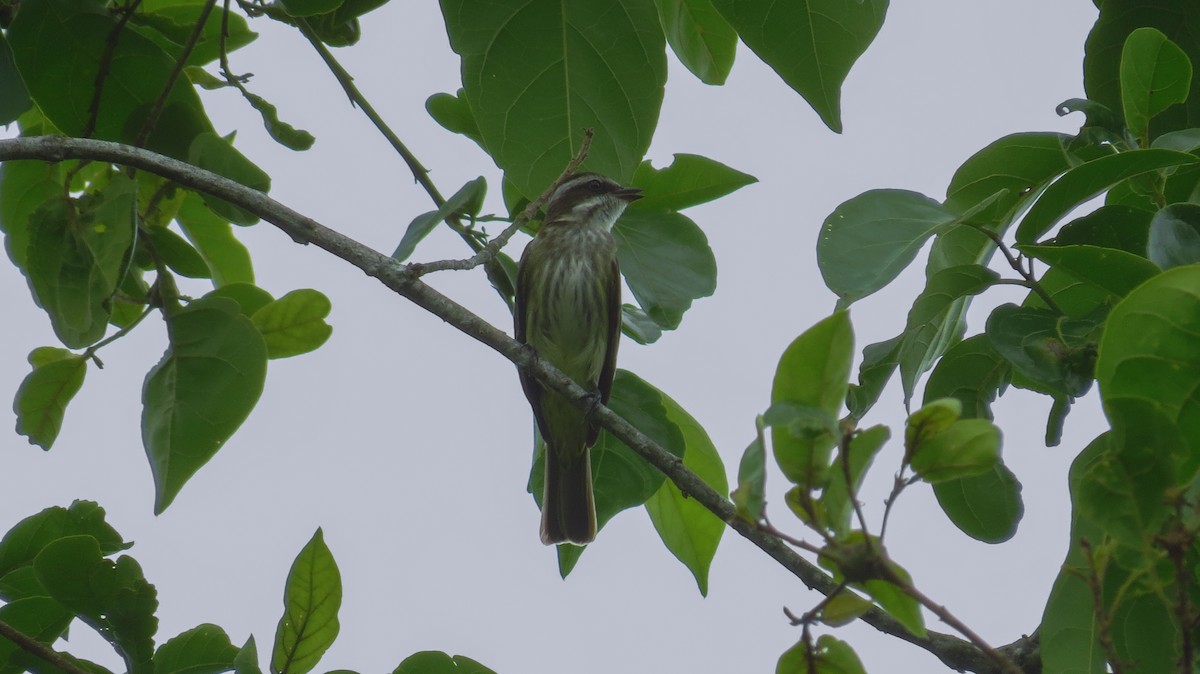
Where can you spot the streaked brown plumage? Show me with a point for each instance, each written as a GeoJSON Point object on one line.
{"type": "Point", "coordinates": [568, 308]}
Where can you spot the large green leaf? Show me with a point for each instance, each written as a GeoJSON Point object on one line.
{"type": "Point", "coordinates": [113, 596]}
{"type": "Point", "coordinates": [76, 257]}
{"type": "Point", "coordinates": [1149, 353]}
{"type": "Point", "coordinates": [204, 649]}
{"type": "Point", "coordinates": [1174, 237]}
{"type": "Point", "coordinates": [700, 37]}
{"type": "Point", "coordinates": [212, 152]}
{"type": "Point", "coordinates": [811, 44]}
{"type": "Point", "coordinates": [1088, 180]}
{"type": "Point", "coordinates": [867, 241]}
{"type": "Point", "coordinates": [1155, 74]}
{"type": "Point", "coordinates": [24, 186]}
{"type": "Point", "coordinates": [1177, 19]}
{"type": "Point", "coordinates": [813, 371]}
{"type": "Point", "coordinates": [935, 321]}
{"type": "Point", "coordinates": [1111, 226]}
{"type": "Point", "coordinates": [170, 23]}
{"type": "Point", "coordinates": [204, 387]}
{"type": "Point", "coordinates": [26, 539]}
{"type": "Point", "coordinates": [311, 602]}
{"type": "Point", "coordinates": [58, 46]}
{"type": "Point", "coordinates": [294, 324]}
{"type": "Point", "coordinates": [1056, 352]}
{"type": "Point", "coordinates": [973, 373]}
{"type": "Point", "coordinates": [667, 262]}
{"type": "Point", "coordinates": [879, 362]}
{"type": "Point", "coordinates": [532, 97]}
{"type": "Point", "coordinates": [437, 662]}
{"type": "Point", "coordinates": [1109, 269]}
{"type": "Point", "coordinates": [690, 180]}
{"type": "Point", "coordinates": [1017, 163]}
{"type": "Point", "coordinates": [689, 530]}
{"type": "Point", "coordinates": [41, 618]}
{"type": "Point", "coordinates": [42, 397]}
{"type": "Point", "coordinates": [15, 99]}
{"type": "Point", "coordinates": [227, 259]}
{"type": "Point", "coordinates": [986, 507]}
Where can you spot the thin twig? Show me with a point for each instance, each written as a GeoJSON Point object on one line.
{"type": "Point", "coordinates": [161, 101]}
{"type": "Point", "coordinates": [952, 651]}
{"type": "Point", "coordinates": [488, 252]}
{"type": "Point", "coordinates": [899, 484]}
{"type": "Point", "coordinates": [1103, 621]}
{"type": "Point", "coordinates": [102, 70]}
{"type": "Point", "coordinates": [39, 649]}
{"type": "Point", "coordinates": [950, 619]}
{"type": "Point", "coordinates": [1015, 263]}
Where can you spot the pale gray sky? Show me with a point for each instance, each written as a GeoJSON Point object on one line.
{"type": "Point", "coordinates": [410, 443]}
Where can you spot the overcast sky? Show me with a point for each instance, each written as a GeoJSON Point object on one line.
{"type": "Point", "coordinates": [410, 443]}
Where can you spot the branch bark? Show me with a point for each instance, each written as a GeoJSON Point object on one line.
{"type": "Point", "coordinates": [955, 653]}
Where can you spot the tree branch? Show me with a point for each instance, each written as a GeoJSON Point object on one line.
{"type": "Point", "coordinates": [954, 652]}
{"type": "Point", "coordinates": [39, 649]}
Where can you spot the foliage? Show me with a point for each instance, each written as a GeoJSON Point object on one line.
{"type": "Point", "coordinates": [1117, 305]}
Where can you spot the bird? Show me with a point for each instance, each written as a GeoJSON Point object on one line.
{"type": "Point", "coordinates": [568, 309]}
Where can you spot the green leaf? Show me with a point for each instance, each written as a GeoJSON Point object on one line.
{"type": "Point", "coordinates": [470, 193]}
{"type": "Point", "coordinates": [667, 262]}
{"type": "Point", "coordinates": [829, 655]}
{"type": "Point", "coordinates": [752, 477]}
{"type": "Point", "coordinates": [208, 380]}
{"type": "Point", "coordinates": [1017, 164]}
{"type": "Point", "coordinates": [227, 259]}
{"type": "Point", "coordinates": [250, 298]}
{"type": "Point", "coordinates": [169, 23]}
{"type": "Point", "coordinates": [41, 618]}
{"type": "Point", "coordinates": [1111, 226]}
{"type": "Point", "coordinates": [76, 257]}
{"type": "Point", "coordinates": [1088, 180]}
{"type": "Point", "coordinates": [1123, 491]}
{"type": "Point", "coordinates": [1174, 238]}
{"type": "Point", "coordinates": [246, 661]}
{"type": "Point", "coordinates": [177, 253]}
{"type": "Point", "coordinates": [1155, 74]}
{"type": "Point", "coordinates": [933, 418]}
{"type": "Point", "coordinates": [26, 539]}
{"type": "Point", "coordinates": [986, 507]}
{"type": "Point", "coordinates": [340, 28]}
{"type": "Point", "coordinates": [437, 662]}
{"type": "Point", "coordinates": [689, 181]}
{"type": "Point", "coordinates": [1056, 352]}
{"type": "Point", "coordinates": [846, 475]}
{"type": "Point", "coordinates": [294, 324]}
{"type": "Point", "coordinates": [204, 649]}
{"type": "Point", "coordinates": [936, 320]}
{"type": "Point", "coordinates": [1149, 633]}
{"type": "Point", "coordinates": [1109, 269]}
{"type": "Point", "coordinates": [813, 371]}
{"type": "Point", "coordinates": [311, 601]}
{"type": "Point", "coordinates": [57, 45]}
{"type": "Point", "coordinates": [639, 327]}
{"type": "Point", "coordinates": [968, 447]}
{"type": "Point", "coordinates": [24, 187]}
{"type": "Point", "coordinates": [283, 133]}
{"type": "Point", "coordinates": [972, 372]}
{"type": "Point", "coordinates": [533, 97]}
{"type": "Point", "coordinates": [42, 399]}
{"type": "Point", "coordinates": [687, 528]}
{"type": "Point", "coordinates": [867, 241]}
{"type": "Point", "coordinates": [453, 113]}
{"type": "Point", "coordinates": [113, 596]}
{"type": "Point", "coordinates": [1149, 353]}
{"type": "Point", "coordinates": [811, 44]}
{"type": "Point", "coordinates": [700, 37]}
{"type": "Point", "coordinates": [878, 364]}
{"type": "Point", "coordinates": [1104, 50]}
{"type": "Point", "coordinates": [844, 609]}
{"type": "Point", "coordinates": [212, 152]}
{"type": "Point", "coordinates": [309, 7]}
{"type": "Point", "coordinates": [16, 101]}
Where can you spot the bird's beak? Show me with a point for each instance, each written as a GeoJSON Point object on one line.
{"type": "Point", "coordinates": [629, 193]}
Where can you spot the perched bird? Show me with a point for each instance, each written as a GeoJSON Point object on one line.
{"type": "Point", "coordinates": [568, 308]}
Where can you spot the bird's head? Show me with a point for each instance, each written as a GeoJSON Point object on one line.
{"type": "Point", "coordinates": [590, 198]}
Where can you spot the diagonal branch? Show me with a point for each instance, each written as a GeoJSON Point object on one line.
{"type": "Point", "coordinates": [956, 653]}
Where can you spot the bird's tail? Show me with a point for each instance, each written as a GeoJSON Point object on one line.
{"type": "Point", "coordinates": [568, 508]}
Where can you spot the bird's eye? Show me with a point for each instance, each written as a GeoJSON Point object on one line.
{"type": "Point", "coordinates": [595, 185]}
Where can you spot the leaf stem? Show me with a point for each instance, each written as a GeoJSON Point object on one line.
{"type": "Point", "coordinates": [1030, 281]}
